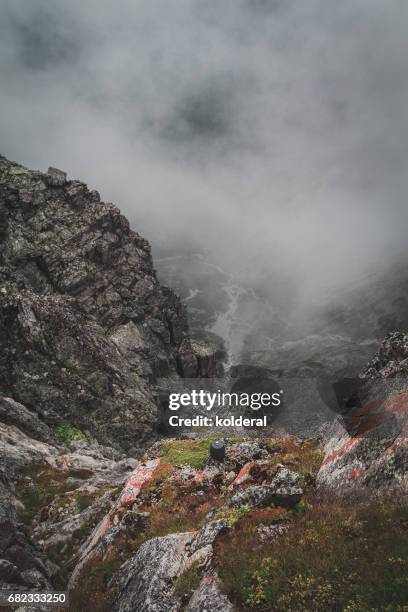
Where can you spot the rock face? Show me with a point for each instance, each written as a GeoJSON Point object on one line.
{"type": "Point", "coordinates": [146, 582]}
{"type": "Point", "coordinates": [21, 565]}
{"type": "Point", "coordinates": [367, 447]}
{"type": "Point", "coordinates": [33, 464]}
{"type": "Point", "coordinates": [85, 325]}
{"type": "Point", "coordinates": [104, 534]}
{"type": "Point", "coordinates": [209, 597]}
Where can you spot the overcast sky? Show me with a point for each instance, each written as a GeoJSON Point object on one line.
{"type": "Point", "coordinates": [274, 132]}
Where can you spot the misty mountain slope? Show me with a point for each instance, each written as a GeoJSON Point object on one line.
{"type": "Point", "coordinates": [305, 347]}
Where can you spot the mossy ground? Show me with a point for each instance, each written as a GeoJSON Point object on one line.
{"type": "Point", "coordinates": [66, 434]}
{"type": "Point", "coordinates": [41, 488]}
{"type": "Point", "coordinates": [92, 593]}
{"type": "Point", "coordinates": [190, 452]}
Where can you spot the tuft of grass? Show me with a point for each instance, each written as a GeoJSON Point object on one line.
{"type": "Point", "coordinates": [188, 452]}
{"type": "Point", "coordinates": [84, 500]}
{"type": "Point", "coordinates": [269, 516]}
{"type": "Point", "coordinates": [44, 484]}
{"type": "Point", "coordinates": [92, 592]}
{"type": "Point", "coordinates": [66, 434]}
{"type": "Point", "coordinates": [272, 446]}
{"type": "Point", "coordinates": [189, 580]}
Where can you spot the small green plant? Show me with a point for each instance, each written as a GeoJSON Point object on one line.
{"type": "Point", "coordinates": [232, 515]}
{"type": "Point", "coordinates": [188, 581]}
{"type": "Point", "coordinates": [272, 446]}
{"type": "Point", "coordinates": [66, 434]}
{"type": "Point", "coordinates": [255, 585]}
{"type": "Point", "coordinates": [83, 501]}
{"type": "Point", "coordinates": [187, 452]}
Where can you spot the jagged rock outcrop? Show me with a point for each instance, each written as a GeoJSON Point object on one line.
{"type": "Point", "coordinates": [283, 490]}
{"type": "Point", "coordinates": [367, 447]}
{"type": "Point", "coordinates": [145, 582]}
{"type": "Point", "coordinates": [85, 326]}
{"type": "Point", "coordinates": [22, 566]}
{"type": "Point", "coordinates": [103, 536]}
{"type": "Point", "coordinates": [85, 331]}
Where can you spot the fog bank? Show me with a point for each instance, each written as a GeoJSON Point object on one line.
{"type": "Point", "coordinates": [272, 133]}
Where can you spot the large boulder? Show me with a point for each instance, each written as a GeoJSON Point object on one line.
{"type": "Point", "coordinates": [146, 582]}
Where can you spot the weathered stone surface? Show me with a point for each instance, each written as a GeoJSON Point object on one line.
{"type": "Point", "coordinates": [243, 475]}
{"type": "Point", "coordinates": [267, 533]}
{"type": "Point", "coordinates": [60, 363]}
{"type": "Point", "coordinates": [13, 413]}
{"type": "Point", "coordinates": [91, 471]}
{"type": "Point", "coordinates": [18, 450]}
{"type": "Point", "coordinates": [208, 534]}
{"type": "Point", "coordinates": [390, 360]}
{"type": "Point", "coordinates": [55, 177]}
{"type": "Point", "coordinates": [103, 536]}
{"type": "Point", "coordinates": [244, 452]}
{"type": "Point", "coordinates": [209, 597]}
{"type": "Point", "coordinates": [366, 449]}
{"type": "Point", "coordinates": [21, 565]}
{"type": "Point", "coordinates": [146, 582]}
{"type": "Point", "coordinates": [284, 490]}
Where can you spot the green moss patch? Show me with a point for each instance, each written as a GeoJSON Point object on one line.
{"type": "Point", "coordinates": [190, 452]}
{"type": "Point", "coordinates": [66, 434]}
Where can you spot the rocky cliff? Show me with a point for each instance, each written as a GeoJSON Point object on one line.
{"type": "Point", "coordinates": [85, 326]}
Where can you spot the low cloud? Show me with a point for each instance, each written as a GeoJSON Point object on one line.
{"type": "Point", "coordinates": [271, 133]}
